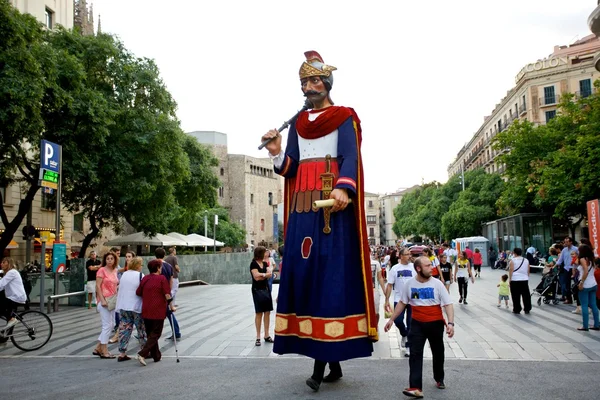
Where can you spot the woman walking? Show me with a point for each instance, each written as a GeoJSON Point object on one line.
{"type": "Point", "coordinates": [155, 291]}
{"type": "Point", "coordinates": [106, 300]}
{"type": "Point", "coordinates": [587, 288]}
{"type": "Point", "coordinates": [462, 273]}
{"type": "Point", "coordinates": [477, 261]}
{"type": "Point", "coordinates": [518, 275]}
{"type": "Point", "coordinates": [129, 306]}
{"type": "Point", "coordinates": [263, 302]}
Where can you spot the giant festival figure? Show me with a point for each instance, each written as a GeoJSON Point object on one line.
{"type": "Point", "coordinates": [325, 307]}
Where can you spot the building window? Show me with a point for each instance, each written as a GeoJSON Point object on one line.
{"type": "Point", "coordinates": [370, 203]}
{"type": "Point", "coordinates": [524, 103]}
{"type": "Point", "coordinates": [78, 222]}
{"type": "Point", "coordinates": [48, 199]}
{"type": "Point", "coordinates": [49, 16]}
{"type": "Point", "coordinates": [222, 171]}
{"type": "Point", "coordinates": [262, 224]}
{"type": "Point", "coordinates": [270, 198]}
{"type": "Point", "coordinates": [221, 191]}
{"type": "Point", "coordinates": [585, 87]}
{"type": "Point", "coordinates": [549, 95]}
{"type": "Point", "coordinates": [550, 115]}
{"type": "Point", "coordinates": [371, 219]}
{"type": "Point", "coordinates": [371, 232]}
{"type": "Point", "coordinates": [251, 198]}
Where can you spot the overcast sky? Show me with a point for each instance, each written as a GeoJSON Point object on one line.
{"type": "Point", "coordinates": [420, 74]}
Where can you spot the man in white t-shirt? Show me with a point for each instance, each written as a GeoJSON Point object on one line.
{"type": "Point", "coordinates": [396, 278]}
{"type": "Point", "coordinates": [426, 296]}
{"type": "Point", "coordinates": [451, 254]}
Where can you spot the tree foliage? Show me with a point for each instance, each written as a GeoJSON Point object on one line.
{"type": "Point", "coordinates": [228, 232]}
{"type": "Point", "coordinates": [554, 167]}
{"type": "Point", "coordinates": [124, 153]}
{"type": "Point", "coordinates": [445, 211]}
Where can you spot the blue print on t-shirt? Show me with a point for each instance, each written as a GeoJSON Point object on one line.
{"type": "Point", "coordinates": [405, 273]}
{"type": "Point", "coordinates": [422, 293]}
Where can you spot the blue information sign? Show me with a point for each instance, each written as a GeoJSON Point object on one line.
{"type": "Point", "coordinates": [59, 257]}
{"type": "Point", "coordinates": [50, 156]}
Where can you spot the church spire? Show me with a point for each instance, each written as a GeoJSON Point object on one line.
{"type": "Point", "coordinates": [99, 31]}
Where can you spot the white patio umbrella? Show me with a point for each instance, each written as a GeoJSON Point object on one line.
{"type": "Point", "coordinates": [141, 239]}
{"type": "Point", "coordinates": [203, 240]}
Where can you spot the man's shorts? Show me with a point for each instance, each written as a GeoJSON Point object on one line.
{"type": "Point", "coordinates": [502, 297]}
{"type": "Point", "coordinates": [90, 287]}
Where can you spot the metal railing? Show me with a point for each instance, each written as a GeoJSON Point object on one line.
{"type": "Point", "coordinates": [522, 108]}
{"type": "Point", "coordinates": [549, 101]}
{"type": "Point", "coordinates": [53, 298]}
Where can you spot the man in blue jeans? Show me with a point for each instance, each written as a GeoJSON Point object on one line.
{"type": "Point", "coordinates": [564, 264]}
{"type": "Point", "coordinates": [397, 278]}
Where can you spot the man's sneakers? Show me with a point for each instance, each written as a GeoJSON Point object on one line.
{"type": "Point", "coordinates": [413, 392]}
{"type": "Point", "coordinates": [403, 341]}
{"type": "Point", "coordinates": [407, 352]}
{"type": "Point", "coordinates": [176, 337]}
{"type": "Point", "coordinates": [465, 302]}
{"type": "Point", "coordinates": [440, 385]}
{"type": "Point", "coordinates": [460, 300]}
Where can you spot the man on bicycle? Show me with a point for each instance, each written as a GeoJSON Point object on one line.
{"type": "Point", "coordinates": [12, 292]}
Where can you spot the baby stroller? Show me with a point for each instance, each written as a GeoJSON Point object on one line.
{"type": "Point", "coordinates": [548, 288]}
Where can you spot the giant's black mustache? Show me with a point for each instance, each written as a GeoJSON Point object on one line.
{"type": "Point", "coordinates": [312, 93]}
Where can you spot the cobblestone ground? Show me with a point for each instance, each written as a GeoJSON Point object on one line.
{"type": "Point", "coordinates": [218, 321]}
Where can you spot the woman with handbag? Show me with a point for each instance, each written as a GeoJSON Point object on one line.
{"type": "Point", "coordinates": [587, 288]}
{"type": "Point", "coordinates": [129, 306]}
{"type": "Point", "coordinates": [106, 299]}
{"type": "Point", "coordinates": [263, 302]}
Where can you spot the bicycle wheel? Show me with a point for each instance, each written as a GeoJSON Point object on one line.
{"type": "Point", "coordinates": [32, 332]}
{"type": "Point", "coordinates": [3, 339]}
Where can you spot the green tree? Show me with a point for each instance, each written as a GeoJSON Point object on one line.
{"type": "Point", "coordinates": [554, 167]}
{"type": "Point", "coordinates": [475, 205]}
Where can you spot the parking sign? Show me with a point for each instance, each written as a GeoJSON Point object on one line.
{"type": "Point", "coordinates": [50, 158]}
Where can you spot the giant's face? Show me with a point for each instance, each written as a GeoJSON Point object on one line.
{"type": "Point", "coordinates": [314, 89]}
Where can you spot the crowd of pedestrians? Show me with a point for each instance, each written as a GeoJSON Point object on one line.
{"type": "Point", "coordinates": [126, 298]}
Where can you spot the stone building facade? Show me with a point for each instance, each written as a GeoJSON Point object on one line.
{"type": "Point", "coordinates": [387, 204]}
{"type": "Point", "coordinates": [535, 97]}
{"type": "Point", "coordinates": [372, 216]}
{"type": "Point", "coordinates": [250, 189]}
{"type": "Point", "coordinates": [49, 12]}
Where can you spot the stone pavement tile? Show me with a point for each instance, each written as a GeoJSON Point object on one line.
{"type": "Point", "coordinates": [505, 350]}
{"type": "Point", "coordinates": [564, 348]}
{"type": "Point", "coordinates": [458, 353]}
{"type": "Point", "coordinates": [232, 351]}
{"type": "Point", "coordinates": [491, 354]}
{"type": "Point", "coordinates": [521, 351]}
{"type": "Point", "coordinates": [538, 351]}
{"type": "Point", "coordinates": [474, 351]}
{"type": "Point", "coordinates": [395, 353]}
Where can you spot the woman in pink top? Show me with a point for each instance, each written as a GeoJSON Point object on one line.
{"type": "Point", "coordinates": [477, 261]}
{"type": "Point", "coordinates": [106, 287]}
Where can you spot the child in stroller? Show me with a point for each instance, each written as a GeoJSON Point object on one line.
{"type": "Point", "coordinates": [547, 289]}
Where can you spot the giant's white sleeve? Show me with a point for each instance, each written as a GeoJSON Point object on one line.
{"type": "Point", "coordinates": [278, 159]}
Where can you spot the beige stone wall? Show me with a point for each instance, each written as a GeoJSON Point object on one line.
{"type": "Point", "coordinates": [62, 10]}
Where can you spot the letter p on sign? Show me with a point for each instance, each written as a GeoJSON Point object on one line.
{"type": "Point", "coordinates": [50, 156]}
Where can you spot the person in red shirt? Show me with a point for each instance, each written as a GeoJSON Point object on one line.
{"type": "Point", "coordinates": [156, 294]}
{"type": "Point", "coordinates": [477, 261]}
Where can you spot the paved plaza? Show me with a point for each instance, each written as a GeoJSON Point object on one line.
{"type": "Point", "coordinates": [495, 355]}
{"type": "Point", "coordinates": [218, 321]}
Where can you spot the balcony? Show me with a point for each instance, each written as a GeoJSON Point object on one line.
{"type": "Point", "coordinates": [522, 109]}
{"type": "Point", "coordinates": [594, 21]}
{"type": "Point", "coordinates": [549, 101]}
{"type": "Point", "coordinates": [597, 62]}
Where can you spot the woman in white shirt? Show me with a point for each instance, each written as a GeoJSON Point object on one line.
{"type": "Point", "coordinates": [14, 292]}
{"type": "Point", "coordinates": [587, 288]}
{"type": "Point", "coordinates": [518, 274]}
{"type": "Point", "coordinates": [129, 306]}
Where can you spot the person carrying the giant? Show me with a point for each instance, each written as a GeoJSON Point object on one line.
{"type": "Point", "coordinates": [325, 308]}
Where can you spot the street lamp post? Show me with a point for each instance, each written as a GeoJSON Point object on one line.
{"type": "Point", "coordinates": [205, 227]}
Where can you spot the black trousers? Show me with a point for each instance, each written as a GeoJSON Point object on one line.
{"type": "Point", "coordinates": [419, 333]}
{"type": "Point", "coordinates": [7, 306]}
{"type": "Point", "coordinates": [463, 284]}
{"type": "Point", "coordinates": [154, 328]}
{"type": "Point", "coordinates": [520, 289]}
{"type": "Point", "coordinates": [319, 369]}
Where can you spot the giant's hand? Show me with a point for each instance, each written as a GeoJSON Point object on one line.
{"type": "Point", "coordinates": [340, 197]}
{"type": "Point", "coordinates": [274, 146]}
